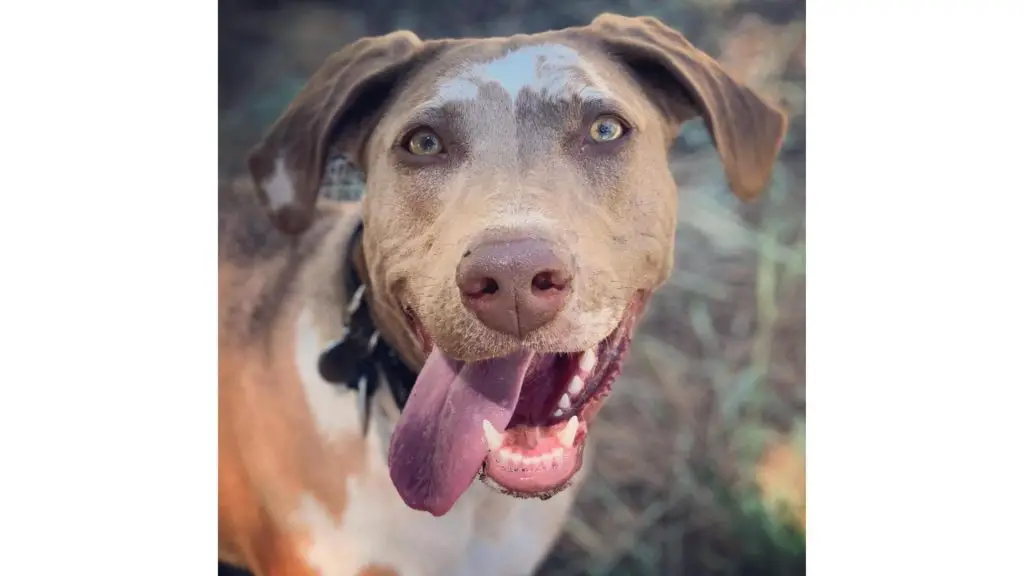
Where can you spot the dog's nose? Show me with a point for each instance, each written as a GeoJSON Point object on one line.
{"type": "Point", "coordinates": [515, 286]}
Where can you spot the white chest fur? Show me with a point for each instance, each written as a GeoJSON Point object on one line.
{"type": "Point", "coordinates": [485, 533]}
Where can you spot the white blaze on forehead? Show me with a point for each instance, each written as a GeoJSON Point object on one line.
{"type": "Point", "coordinates": [279, 188]}
{"type": "Point", "coordinates": [549, 70]}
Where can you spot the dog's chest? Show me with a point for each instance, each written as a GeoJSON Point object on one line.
{"type": "Point", "coordinates": [485, 533]}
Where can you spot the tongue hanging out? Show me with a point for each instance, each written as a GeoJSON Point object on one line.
{"type": "Point", "coordinates": [439, 444]}
{"type": "Point", "coordinates": [520, 421]}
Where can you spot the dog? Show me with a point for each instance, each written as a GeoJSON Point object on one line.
{"type": "Point", "coordinates": [406, 383]}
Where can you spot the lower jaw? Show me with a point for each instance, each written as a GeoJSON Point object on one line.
{"type": "Point", "coordinates": [533, 480]}
{"type": "Point", "coordinates": [537, 462]}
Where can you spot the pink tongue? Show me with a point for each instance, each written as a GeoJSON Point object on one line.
{"type": "Point", "coordinates": [438, 446]}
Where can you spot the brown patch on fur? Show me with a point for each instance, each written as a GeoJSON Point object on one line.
{"type": "Point", "coordinates": [251, 244]}
{"type": "Point", "coordinates": [270, 451]}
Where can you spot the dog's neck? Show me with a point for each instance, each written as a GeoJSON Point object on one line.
{"type": "Point", "coordinates": [388, 316]}
{"type": "Point", "coordinates": [390, 320]}
{"type": "Point", "coordinates": [366, 354]}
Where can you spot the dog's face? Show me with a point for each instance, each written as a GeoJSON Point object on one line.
{"type": "Point", "coordinates": [502, 148]}
{"type": "Point", "coordinates": [519, 212]}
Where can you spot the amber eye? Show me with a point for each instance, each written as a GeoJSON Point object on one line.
{"type": "Point", "coordinates": [424, 142]}
{"type": "Point", "coordinates": [607, 129]}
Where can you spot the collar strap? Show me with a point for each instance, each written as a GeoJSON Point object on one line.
{"type": "Point", "coordinates": [361, 356]}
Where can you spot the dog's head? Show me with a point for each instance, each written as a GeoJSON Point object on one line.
{"type": "Point", "coordinates": [519, 211]}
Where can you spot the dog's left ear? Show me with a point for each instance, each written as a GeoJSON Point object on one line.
{"type": "Point", "coordinates": [336, 108]}
{"type": "Point", "coordinates": [746, 129]}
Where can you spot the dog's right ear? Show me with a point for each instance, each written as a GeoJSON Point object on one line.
{"type": "Point", "coordinates": [337, 109]}
{"type": "Point", "coordinates": [747, 129]}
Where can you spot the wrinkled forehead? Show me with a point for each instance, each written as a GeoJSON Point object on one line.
{"type": "Point", "coordinates": [531, 92]}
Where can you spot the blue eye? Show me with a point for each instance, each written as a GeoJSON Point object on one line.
{"type": "Point", "coordinates": [606, 129]}
{"type": "Point", "coordinates": [425, 143]}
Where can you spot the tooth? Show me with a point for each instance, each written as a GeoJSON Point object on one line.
{"type": "Point", "coordinates": [492, 436]}
{"type": "Point", "coordinates": [558, 412]}
{"type": "Point", "coordinates": [501, 456]}
{"type": "Point", "coordinates": [564, 402]}
{"type": "Point", "coordinates": [588, 360]}
{"type": "Point", "coordinates": [576, 385]}
{"type": "Point", "coordinates": [557, 455]}
{"type": "Point", "coordinates": [547, 460]}
{"type": "Point", "coordinates": [568, 434]}
{"type": "Point", "coordinates": [516, 457]}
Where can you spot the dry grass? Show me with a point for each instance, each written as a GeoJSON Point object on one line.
{"type": "Point", "coordinates": [699, 467]}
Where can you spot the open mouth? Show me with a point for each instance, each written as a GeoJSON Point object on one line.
{"type": "Point", "coordinates": [518, 423]}
{"type": "Point", "coordinates": [541, 449]}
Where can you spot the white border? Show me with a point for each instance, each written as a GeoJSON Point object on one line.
{"type": "Point", "coordinates": [916, 297]}
{"type": "Point", "coordinates": [108, 417]}
{"type": "Point", "coordinates": [108, 408]}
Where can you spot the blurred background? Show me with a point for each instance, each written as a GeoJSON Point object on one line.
{"type": "Point", "coordinates": [700, 449]}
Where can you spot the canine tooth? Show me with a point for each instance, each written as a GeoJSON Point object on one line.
{"type": "Point", "coordinates": [547, 460]}
{"type": "Point", "coordinates": [492, 436]}
{"type": "Point", "coordinates": [557, 455]}
{"type": "Point", "coordinates": [501, 456]}
{"type": "Point", "coordinates": [588, 360]}
{"type": "Point", "coordinates": [576, 385]}
{"type": "Point", "coordinates": [568, 434]}
{"type": "Point", "coordinates": [564, 402]}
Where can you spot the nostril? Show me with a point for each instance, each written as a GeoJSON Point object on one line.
{"type": "Point", "coordinates": [543, 282]}
{"type": "Point", "coordinates": [481, 287]}
{"type": "Point", "coordinates": [490, 286]}
{"type": "Point", "coordinates": [549, 281]}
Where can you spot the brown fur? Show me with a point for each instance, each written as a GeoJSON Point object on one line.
{"type": "Point", "coordinates": [520, 165]}
{"type": "Point", "coordinates": [268, 446]}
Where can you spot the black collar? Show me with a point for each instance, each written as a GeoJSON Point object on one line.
{"type": "Point", "coordinates": [361, 355]}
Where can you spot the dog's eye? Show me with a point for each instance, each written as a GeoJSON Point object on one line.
{"type": "Point", "coordinates": [606, 129]}
{"type": "Point", "coordinates": [424, 143]}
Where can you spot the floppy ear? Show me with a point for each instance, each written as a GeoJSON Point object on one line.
{"type": "Point", "coordinates": [337, 109]}
{"type": "Point", "coordinates": [747, 130]}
